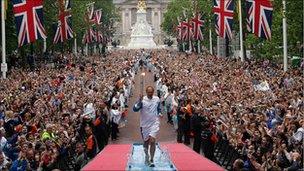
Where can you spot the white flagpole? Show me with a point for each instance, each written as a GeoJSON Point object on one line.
{"type": "Point", "coordinates": [241, 31]}
{"type": "Point", "coordinates": [199, 47]}
{"type": "Point", "coordinates": [87, 49]}
{"type": "Point", "coordinates": [75, 45]}
{"type": "Point", "coordinates": [285, 36]}
{"type": "Point", "coordinates": [189, 37]}
{"type": "Point", "coordinates": [185, 16]}
{"type": "Point", "coordinates": [3, 64]}
{"type": "Point", "coordinates": [210, 42]}
{"type": "Point", "coordinates": [44, 45]}
{"type": "Point", "coordinates": [95, 49]}
{"type": "Point", "coordinates": [210, 39]}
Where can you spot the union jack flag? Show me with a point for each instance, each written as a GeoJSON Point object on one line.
{"type": "Point", "coordinates": [29, 20]}
{"type": "Point", "coordinates": [179, 28]}
{"type": "Point", "coordinates": [187, 30]}
{"type": "Point", "coordinates": [89, 36]}
{"type": "Point", "coordinates": [90, 12]}
{"type": "Point", "coordinates": [259, 17]}
{"type": "Point", "coordinates": [98, 17]}
{"type": "Point", "coordinates": [99, 37]}
{"type": "Point", "coordinates": [68, 4]}
{"type": "Point", "coordinates": [197, 27]}
{"type": "Point", "coordinates": [64, 30]}
{"type": "Point", "coordinates": [223, 12]}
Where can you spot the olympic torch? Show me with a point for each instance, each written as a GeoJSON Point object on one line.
{"type": "Point", "coordinates": [142, 82]}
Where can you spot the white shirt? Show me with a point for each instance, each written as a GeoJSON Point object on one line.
{"type": "Point", "coordinates": [115, 115]}
{"type": "Point", "coordinates": [158, 84]}
{"type": "Point", "coordinates": [165, 91]}
{"type": "Point", "coordinates": [2, 143]}
{"type": "Point", "coordinates": [149, 113]}
{"type": "Point", "coordinates": [122, 100]}
{"type": "Point", "coordinates": [299, 135]}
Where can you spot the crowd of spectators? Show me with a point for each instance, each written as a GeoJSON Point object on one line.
{"type": "Point", "coordinates": [61, 117]}
{"type": "Point", "coordinates": [255, 106]}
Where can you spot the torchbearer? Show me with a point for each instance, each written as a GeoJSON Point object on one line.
{"type": "Point", "coordinates": [150, 112]}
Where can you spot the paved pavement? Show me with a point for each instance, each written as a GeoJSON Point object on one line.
{"type": "Point", "coordinates": [131, 132]}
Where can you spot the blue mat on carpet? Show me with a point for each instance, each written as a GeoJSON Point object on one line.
{"type": "Point", "coordinates": [136, 159]}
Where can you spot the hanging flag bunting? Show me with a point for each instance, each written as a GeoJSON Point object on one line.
{"type": "Point", "coordinates": [259, 17]}
{"type": "Point", "coordinates": [64, 31]}
{"type": "Point", "coordinates": [29, 20]}
{"type": "Point", "coordinates": [187, 30]}
{"type": "Point", "coordinates": [223, 11]}
{"type": "Point", "coordinates": [197, 27]}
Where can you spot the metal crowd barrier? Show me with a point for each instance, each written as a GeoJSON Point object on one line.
{"type": "Point", "coordinates": [225, 154]}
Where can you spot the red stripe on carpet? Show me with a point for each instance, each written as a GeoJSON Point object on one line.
{"type": "Point", "coordinates": [112, 157]}
{"type": "Point", "coordinates": [186, 159]}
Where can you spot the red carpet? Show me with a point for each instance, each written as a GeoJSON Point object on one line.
{"type": "Point", "coordinates": [114, 157]}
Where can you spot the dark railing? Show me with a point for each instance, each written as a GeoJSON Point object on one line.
{"type": "Point", "coordinates": [225, 154]}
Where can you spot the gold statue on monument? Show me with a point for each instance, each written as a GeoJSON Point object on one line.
{"type": "Point", "coordinates": [141, 5]}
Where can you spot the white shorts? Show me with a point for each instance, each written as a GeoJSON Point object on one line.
{"type": "Point", "coordinates": [152, 131]}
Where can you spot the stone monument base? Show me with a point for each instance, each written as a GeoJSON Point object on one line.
{"type": "Point", "coordinates": [144, 42]}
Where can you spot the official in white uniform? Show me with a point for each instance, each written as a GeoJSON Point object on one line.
{"type": "Point", "coordinates": [149, 107]}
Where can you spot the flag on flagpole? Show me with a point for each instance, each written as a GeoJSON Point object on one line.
{"type": "Point", "coordinates": [64, 30]}
{"type": "Point", "coordinates": [91, 12]}
{"type": "Point", "coordinates": [98, 17]}
{"type": "Point", "coordinates": [187, 26]}
{"type": "Point", "coordinates": [197, 27]}
{"type": "Point", "coordinates": [99, 37]}
{"type": "Point", "coordinates": [223, 11]}
{"type": "Point", "coordinates": [29, 20]}
{"type": "Point", "coordinates": [179, 29]}
{"type": "Point", "coordinates": [259, 17]}
{"type": "Point", "coordinates": [89, 36]}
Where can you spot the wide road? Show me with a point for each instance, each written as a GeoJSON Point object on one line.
{"type": "Point", "coordinates": [131, 132]}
